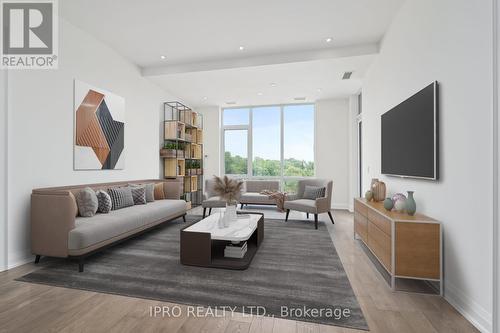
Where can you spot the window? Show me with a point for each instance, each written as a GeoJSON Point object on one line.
{"type": "Point", "coordinates": [269, 142]}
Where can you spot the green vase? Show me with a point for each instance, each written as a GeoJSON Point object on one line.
{"type": "Point", "coordinates": [388, 204]}
{"type": "Point", "coordinates": [411, 205]}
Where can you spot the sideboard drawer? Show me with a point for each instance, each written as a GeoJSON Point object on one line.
{"type": "Point", "coordinates": [361, 226]}
{"type": "Point", "coordinates": [360, 208]}
{"type": "Point", "coordinates": [380, 221]}
{"type": "Point", "coordinates": [380, 244]}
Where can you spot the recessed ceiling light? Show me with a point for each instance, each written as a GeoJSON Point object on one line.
{"type": "Point", "coordinates": [319, 90]}
{"type": "Point", "coordinates": [328, 40]}
{"type": "Point", "coordinates": [273, 84]}
{"type": "Point", "coordinates": [205, 98]}
{"type": "Point", "coordinates": [260, 94]}
{"type": "Point", "coordinates": [163, 57]}
{"type": "Point", "coordinates": [241, 48]}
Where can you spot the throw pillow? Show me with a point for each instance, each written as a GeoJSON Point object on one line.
{"type": "Point", "coordinates": [87, 203]}
{"type": "Point", "coordinates": [104, 201]}
{"type": "Point", "coordinates": [138, 194]}
{"type": "Point", "coordinates": [313, 192]}
{"type": "Point", "coordinates": [159, 193]}
{"type": "Point", "coordinates": [121, 197]}
{"type": "Point", "coordinates": [150, 190]}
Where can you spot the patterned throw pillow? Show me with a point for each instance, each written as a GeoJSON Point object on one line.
{"type": "Point", "coordinates": [150, 190]}
{"type": "Point", "coordinates": [313, 192]}
{"type": "Point", "coordinates": [104, 200]}
{"type": "Point", "coordinates": [121, 197]}
{"type": "Point", "coordinates": [159, 193]}
{"type": "Point", "coordinates": [87, 203]}
{"type": "Point", "coordinates": [138, 194]}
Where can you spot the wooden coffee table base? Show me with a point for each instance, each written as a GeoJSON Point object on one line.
{"type": "Point", "coordinates": [198, 249]}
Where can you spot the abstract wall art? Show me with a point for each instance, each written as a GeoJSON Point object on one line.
{"type": "Point", "coordinates": [99, 129]}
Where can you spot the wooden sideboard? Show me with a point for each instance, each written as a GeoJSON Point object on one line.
{"type": "Point", "coordinates": [407, 247]}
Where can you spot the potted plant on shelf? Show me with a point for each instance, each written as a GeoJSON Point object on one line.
{"type": "Point", "coordinates": [169, 150]}
{"type": "Point", "coordinates": [229, 190]}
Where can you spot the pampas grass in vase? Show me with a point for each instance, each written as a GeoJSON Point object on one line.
{"type": "Point", "coordinates": [228, 190]}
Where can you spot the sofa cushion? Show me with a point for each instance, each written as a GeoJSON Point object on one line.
{"type": "Point", "coordinates": [101, 227]}
{"type": "Point", "coordinates": [302, 205]}
{"type": "Point", "coordinates": [150, 190]}
{"type": "Point", "coordinates": [159, 192]}
{"type": "Point", "coordinates": [138, 194]}
{"type": "Point", "coordinates": [104, 200]}
{"type": "Point", "coordinates": [256, 198]}
{"type": "Point", "coordinates": [121, 197]}
{"type": "Point", "coordinates": [258, 186]}
{"type": "Point", "coordinates": [213, 202]}
{"type": "Point", "coordinates": [87, 202]}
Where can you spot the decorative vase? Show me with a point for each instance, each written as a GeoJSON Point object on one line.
{"type": "Point", "coordinates": [400, 204]}
{"type": "Point", "coordinates": [388, 204]}
{"type": "Point", "coordinates": [411, 205]}
{"type": "Point", "coordinates": [373, 182]}
{"type": "Point", "coordinates": [397, 196]}
{"type": "Point", "coordinates": [369, 195]}
{"type": "Point", "coordinates": [230, 215]}
{"type": "Point", "coordinates": [378, 190]}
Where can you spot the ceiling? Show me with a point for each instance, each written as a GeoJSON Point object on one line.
{"type": "Point", "coordinates": [314, 80]}
{"type": "Point", "coordinates": [201, 43]}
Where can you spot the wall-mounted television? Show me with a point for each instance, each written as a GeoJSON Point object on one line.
{"type": "Point", "coordinates": [410, 136]}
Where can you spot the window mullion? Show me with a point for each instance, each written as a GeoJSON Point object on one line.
{"type": "Point", "coordinates": [250, 145]}
{"type": "Point", "coordinates": [282, 147]}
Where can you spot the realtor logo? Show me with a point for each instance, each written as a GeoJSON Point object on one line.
{"type": "Point", "coordinates": [29, 34]}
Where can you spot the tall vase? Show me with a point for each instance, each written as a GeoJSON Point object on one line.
{"type": "Point", "coordinates": [230, 213]}
{"type": "Point", "coordinates": [411, 205]}
{"type": "Point", "coordinates": [378, 190]}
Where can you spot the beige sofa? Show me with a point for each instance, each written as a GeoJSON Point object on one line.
{"type": "Point", "coordinates": [58, 231]}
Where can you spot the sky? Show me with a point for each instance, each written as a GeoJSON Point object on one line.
{"type": "Point", "coordinates": [298, 134]}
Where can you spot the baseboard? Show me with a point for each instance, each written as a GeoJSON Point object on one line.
{"type": "Point", "coordinates": [19, 258]}
{"type": "Point", "coordinates": [340, 206]}
{"type": "Point", "coordinates": [473, 312]}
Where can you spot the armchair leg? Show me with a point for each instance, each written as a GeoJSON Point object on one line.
{"type": "Point", "coordinates": [210, 211]}
{"type": "Point", "coordinates": [241, 207]}
{"type": "Point", "coordinates": [204, 211]}
{"type": "Point", "coordinates": [307, 214]}
{"type": "Point", "coordinates": [80, 265]}
{"type": "Point", "coordinates": [184, 217]}
{"type": "Point", "coordinates": [331, 217]}
{"type": "Point", "coordinates": [315, 221]}
{"type": "Point", "coordinates": [37, 259]}
{"type": "Point", "coordinates": [287, 212]}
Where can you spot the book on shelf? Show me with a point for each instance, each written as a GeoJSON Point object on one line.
{"type": "Point", "coordinates": [235, 250]}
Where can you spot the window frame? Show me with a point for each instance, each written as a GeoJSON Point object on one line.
{"type": "Point", "coordinates": [282, 178]}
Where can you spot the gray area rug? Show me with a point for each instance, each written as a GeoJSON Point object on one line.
{"type": "Point", "coordinates": [296, 267]}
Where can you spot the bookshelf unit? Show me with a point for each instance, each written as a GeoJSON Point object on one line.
{"type": "Point", "coordinates": [182, 151]}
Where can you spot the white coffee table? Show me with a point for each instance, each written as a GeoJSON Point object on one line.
{"type": "Point", "coordinates": [203, 242]}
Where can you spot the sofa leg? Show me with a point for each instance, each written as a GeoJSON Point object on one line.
{"type": "Point", "coordinates": [210, 211]}
{"type": "Point", "coordinates": [80, 265]}
{"type": "Point", "coordinates": [315, 221]}
{"type": "Point", "coordinates": [204, 211]}
{"type": "Point", "coordinates": [37, 259]}
{"type": "Point", "coordinates": [331, 217]}
{"type": "Point", "coordinates": [241, 207]}
{"type": "Point", "coordinates": [287, 212]}
{"type": "Point", "coordinates": [184, 217]}
{"type": "Point", "coordinates": [307, 214]}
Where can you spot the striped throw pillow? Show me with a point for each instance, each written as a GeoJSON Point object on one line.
{"type": "Point", "coordinates": [121, 197]}
{"type": "Point", "coordinates": [313, 192]}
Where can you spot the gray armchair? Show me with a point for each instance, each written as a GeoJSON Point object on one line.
{"type": "Point", "coordinates": [308, 206]}
{"type": "Point", "coordinates": [210, 199]}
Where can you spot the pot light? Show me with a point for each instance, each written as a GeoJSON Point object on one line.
{"type": "Point", "coordinates": [241, 48]}
{"type": "Point", "coordinates": [205, 98]}
{"type": "Point", "coordinates": [273, 84]}
{"type": "Point", "coordinates": [260, 94]}
{"type": "Point", "coordinates": [163, 57]}
{"type": "Point", "coordinates": [319, 90]}
{"type": "Point", "coordinates": [329, 39]}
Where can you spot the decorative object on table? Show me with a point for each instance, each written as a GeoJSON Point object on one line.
{"type": "Point", "coordinates": [411, 205]}
{"type": "Point", "coordinates": [388, 204]}
{"type": "Point", "coordinates": [229, 190]}
{"type": "Point", "coordinates": [369, 195]}
{"type": "Point", "coordinates": [220, 220]}
{"type": "Point", "coordinates": [397, 196]}
{"type": "Point", "coordinates": [277, 196]}
{"type": "Point", "coordinates": [378, 189]}
{"type": "Point", "coordinates": [99, 128]}
{"type": "Point", "coordinates": [400, 204]}
{"type": "Point", "coordinates": [237, 250]}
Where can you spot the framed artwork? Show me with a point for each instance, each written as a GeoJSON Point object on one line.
{"type": "Point", "coordinates": [99, 128]}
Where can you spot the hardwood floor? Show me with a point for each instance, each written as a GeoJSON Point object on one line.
{"type": "Point", "coordinates": [26, 307]}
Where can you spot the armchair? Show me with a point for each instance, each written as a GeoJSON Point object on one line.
{"type": "Point", "coordinates": [210, 199]}
{"type": "Point", "coordinates": [308, 206]}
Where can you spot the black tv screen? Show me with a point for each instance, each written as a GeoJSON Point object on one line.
{"type": "Point", "coordinates": [410, 136]}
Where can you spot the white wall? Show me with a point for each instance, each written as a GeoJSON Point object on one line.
{"type": "Point", "coordinates": [332, 147]}
{"type": "Point", "coordinates": [211, 140]}
{"type": "Point", "coordinates": [3, 170]}
{"type": "Point", "coordinates": [41, 126]}
{"type": "Point", "coordinates": [449, 41]}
